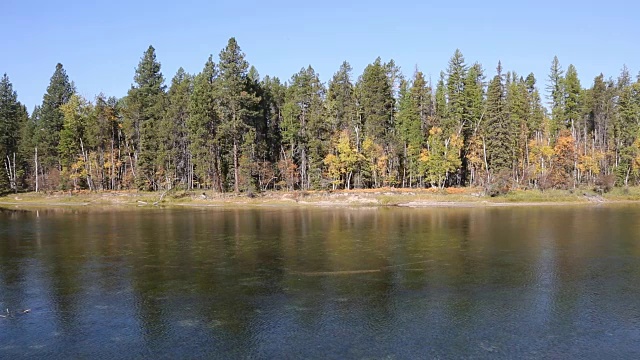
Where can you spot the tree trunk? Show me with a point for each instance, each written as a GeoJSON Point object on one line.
{"type": "Point", "coordinates": [36, 161]}
{"type": "Point", "coordinates": [236, 173]}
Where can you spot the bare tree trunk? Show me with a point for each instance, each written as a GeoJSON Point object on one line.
{"type": "Point", "coordinates": [236, 173]}
{"type": "Point", "coordinates": [486, 164]}
{"type": "Point", "coordinates": [36, 161]}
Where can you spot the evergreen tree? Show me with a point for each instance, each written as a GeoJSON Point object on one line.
{"type": "Point", "coordinates": [414, 102]}
{"type": "Point", "coordinates": [51, 119]}
{"type": "Point", "coordinates": [12, 115]}
{"type": "Point", "coordinates": [518, 111]}
{"type": "Point", "coordinates": [145, 106]}
{"type": "Point", "coordinates": [376, 101]}
{"type": "Point", "coordinates": [497, 130]}
{"type": "Point", "coordinates": [536, 109]}
{"type": "Point", "coordinates": [456, 73]}
{"type": "Point", "coordinates": [274, 99]}
{"type": "Point", "coordinates": [238, 103]}
{"type": "Point", "coordinates": [473, 100]}
{"type": "Point", "coordinates": [173, 131]}
{"type": "Point", "coordinates": [555, 89]}
{"type": "Point", "coordinates": [202, 125]}
{"type": "Point", "coordinates": [440, 103]}
{"type": "Point", "coordinates": [571, 100]}
{"type": "Point", "coordinates": [627, 128]}
{"type": "Point", "coordinates": [341, 103]}
{"type": "Point", "coordinates": [376, 107]}
{"type": "Point", "coordinates": [304, 130]}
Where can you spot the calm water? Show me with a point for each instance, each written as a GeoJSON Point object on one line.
{"type": "Point", "coordinates": [546, 282]}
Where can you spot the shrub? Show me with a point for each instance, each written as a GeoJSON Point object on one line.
{"type": "Point", "coordinates": [500, 184]}
{"type": "Point", "coordinates": [604, 183]}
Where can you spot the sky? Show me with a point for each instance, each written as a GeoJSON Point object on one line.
{"type": "Point", "coordinates": [101, 42]}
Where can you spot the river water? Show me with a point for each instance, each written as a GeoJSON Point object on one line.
{"type": "Point", "coordinates": [275, 283]}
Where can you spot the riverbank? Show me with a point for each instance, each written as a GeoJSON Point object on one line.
{"type": "Point", "coordinates": [450, 197]}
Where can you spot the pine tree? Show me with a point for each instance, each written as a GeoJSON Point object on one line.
{"type": "Point", "coordinates": [572, 101]}
{"type": "Point", "coordinates": [304, 130]}
{"type": "Point", "coordinates": [376, 101]}
{"type": "Point", "coordinates": [376, 107]}
{"type": "Point", "coordinates": [440, 112]}
{"type": "Point", "coordinates": [341, 103]}
{"type": "Point", "coordinates": [555, 89]}
{"type": "Point", "coordinates": [12, 115]}
{"type": "Point", "coordinates": [274, 99]}
{"type": "Point", "coordinates": [474, 108]}
{"type": "Point", "coordinates": [145, 106]}
{"type": "Point", "coordinates": [202, 125]}
{"type": "Point", "coordinates": [238, 103]}
{"type": "Point", "coordinates": [173, 130]}
{"type": "Point", "coordinates": [518, 111]}
{"type": "Point", "coordinates": [497, 130]}
{"type": "Point", "coordinates": [51, 119]}
{"type": "Point", "coordinates": [627, 128]}
{"type": "Point", "coordinates": [536, 114]}
{"type": "Point", "coordinates": [414, 102]}
{"type": "Point", "coordinates": [456, 73]}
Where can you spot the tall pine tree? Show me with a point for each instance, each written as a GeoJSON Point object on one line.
{"type": "Point", "coordinates": [51, 119]}
{"type": "Point", "coordinates": [145, 106]}
{"type": "Point", "coordinates": [12, 116]}
{"type": "Point", "coordinates": [238, 103]}
{"type": "Point", "coordinates": [497, 130]}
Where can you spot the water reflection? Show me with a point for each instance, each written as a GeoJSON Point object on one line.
{"type": "Point", "coordinates": [321, 283]}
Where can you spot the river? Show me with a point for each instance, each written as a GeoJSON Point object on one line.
{"type": "Point", "coordinates": [319, 283]}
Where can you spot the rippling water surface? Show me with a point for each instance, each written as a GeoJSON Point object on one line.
{"type": "Point", "coordinates": [544, 282]}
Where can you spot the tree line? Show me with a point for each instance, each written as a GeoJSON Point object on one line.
{"type": "Point", "coordinates": [228, 129]}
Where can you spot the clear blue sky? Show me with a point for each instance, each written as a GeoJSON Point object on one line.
{"type": "Point", "coordinates": [100, 42]}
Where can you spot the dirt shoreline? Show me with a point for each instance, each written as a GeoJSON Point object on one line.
{"type": "Point", "coordinates": [388, 197]}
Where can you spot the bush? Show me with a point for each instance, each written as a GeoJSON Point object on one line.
{"type": "Point", "coordinates": [500, 184]}
{"type": "Point", "coordinates": [604, 183]}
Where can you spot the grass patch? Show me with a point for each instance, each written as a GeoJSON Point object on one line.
{"type": "Point", "coordinates": [534, 196]}
{"type": "Point", "coordinates": [623, 193]}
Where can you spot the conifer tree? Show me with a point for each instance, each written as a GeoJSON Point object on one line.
{"type": "Point", "coordinates": [173, 130]}
{"type": "Point", "coordinates": [456, 74]}
{"type": "Point", "coordinates": [376, 107]}
{"type": "Point", "coordinates": [440, 108]}
{"type": "Point", "coordinates": [414, 101]}
{"type": "Point", "coordinates": [202, 125]}
{"type": "Point", "coordinates": [12, 115]}
{"type": "Point", "coordinates": [304, 130]}
{"type": "Point", "coordinates": [497, 130]}
{"type": "Point", "coordinates": [274, 98]}
{"type": "Point", "coordinates": [238, 103]}
{"type": "Point", "coordinates": [145, 106]}
{"type": "Point", "coordinates": [536, 109]}
{"type": "Point", "coordinates": [376, 101]}
{"type": "Point", "coordinates": [474, 108]}
{"type": "Point", "coordinates": [555, 90]}
{"type": "Point", "coordinates": [341, 110]}
{"type": "Point", "coordinates": [572, 101]}
{"type": "Point", "coordinates": [51, 119]}
{"type": "Point", "coordinates": [518, 114]}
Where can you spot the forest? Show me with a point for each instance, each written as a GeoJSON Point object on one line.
{"type": "Point", "coordinates": [227, 129]}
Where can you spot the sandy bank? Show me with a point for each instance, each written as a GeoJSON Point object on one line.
{"type": "Point", "coordinates": [387, 197]}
